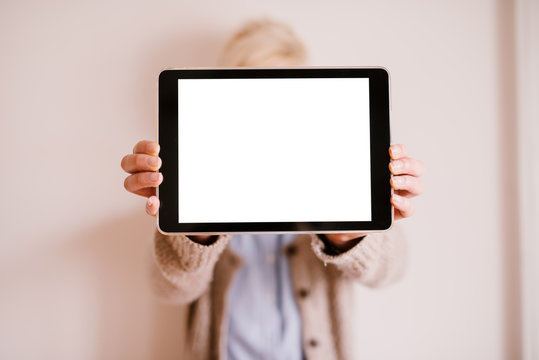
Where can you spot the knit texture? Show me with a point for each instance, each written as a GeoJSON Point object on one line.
{"type": "Point", "coordinates": [199, 277]}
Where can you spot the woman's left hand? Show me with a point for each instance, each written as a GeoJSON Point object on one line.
{"type": "Point", "coordinates": [406, 183]}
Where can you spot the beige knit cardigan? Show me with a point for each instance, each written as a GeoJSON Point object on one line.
{"type": "Point", "coordinates": [199, 277]}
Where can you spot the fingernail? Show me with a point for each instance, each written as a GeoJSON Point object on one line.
{"type": "Point", "coordinates": [395, 150]}
{"type": "Point", "coordinates": [397, 199]}
{"type": "Point", "coordinates": [155, 176]}
{"type": "Point", "coordinates": [151, 201]}
{"type": "Point", "coordinates": [153, 161]}
{"type": "Point", "coordinates": [396, 165]}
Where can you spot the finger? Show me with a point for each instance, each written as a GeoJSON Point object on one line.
{"type": "Point", "coordinates": [138, 181]}
{"type": "Point", "coordinates": [407, 166]}
{"type": "Point", "coordinates": [146, 192]}
{"type": "Point", "coordinates": [398, 151]}
{"type": "Point", "coordinates": [152, 206]}
{"type": "Point", "coordinates": [402, 205]}
{"type": "Point", "coordinates": [146, 147]}
{"type": "Point", "coordinates": [403, 193]}
{"type": "Point", "coordinates": [413, 185]}
{"type": "Point", "coordinates": [135, 163]}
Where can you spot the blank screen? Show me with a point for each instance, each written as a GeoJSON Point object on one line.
{"type": "Point", "coordinates": [273, 150]}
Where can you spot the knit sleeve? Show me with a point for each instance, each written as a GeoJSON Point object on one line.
{"type": "Point", "coordinates": [181, 268]}
{"type": "Point", "coordinates": [378, 259]}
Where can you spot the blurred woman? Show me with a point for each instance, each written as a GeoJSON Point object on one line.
{"type": "Point", "coordinates": [268, 296]}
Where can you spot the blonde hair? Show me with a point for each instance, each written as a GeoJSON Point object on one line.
{"type": "Point", "coordinates": [263, 43]}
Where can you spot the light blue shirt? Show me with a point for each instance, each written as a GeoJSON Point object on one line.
{"type": "Point", "coordinates": [264, 320]}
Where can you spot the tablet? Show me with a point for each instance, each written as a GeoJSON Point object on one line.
{"type": "Point", "coordinates": [274, 150]}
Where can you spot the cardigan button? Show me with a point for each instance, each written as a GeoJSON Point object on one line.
{"type": "Point", "coordinates": [313, 342]}
{"type": "Point", "coordinates": [291, 250]}
{"type": "Point", "coordinates": [303, 292]}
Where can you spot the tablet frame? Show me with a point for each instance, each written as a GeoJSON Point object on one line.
{"type": "Point", "coordinates": [379, 104]}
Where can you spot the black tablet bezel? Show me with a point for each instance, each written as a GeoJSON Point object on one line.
{"type": "Point", "coordinates": [381, 209]}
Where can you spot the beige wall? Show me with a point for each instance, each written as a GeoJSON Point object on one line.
{"type": "Point", "coordinates": [77, 90]}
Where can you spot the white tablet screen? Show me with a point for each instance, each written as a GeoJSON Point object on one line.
{"type": "Point", "coordinates": [273, 150]}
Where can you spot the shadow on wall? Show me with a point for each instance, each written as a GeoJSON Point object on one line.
{"type": "Point", "coordinates": [133, 324]}
{"type": "Point", "coordinates": [509, 159]}
{"type": "Point", "coordinates": [87, 295]}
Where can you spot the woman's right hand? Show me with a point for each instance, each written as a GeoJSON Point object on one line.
{"type": "Point", "coordinates": [142, 166]}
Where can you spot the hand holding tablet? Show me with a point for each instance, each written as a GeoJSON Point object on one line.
{"type": "Point", "coordinates": [143, 181]}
